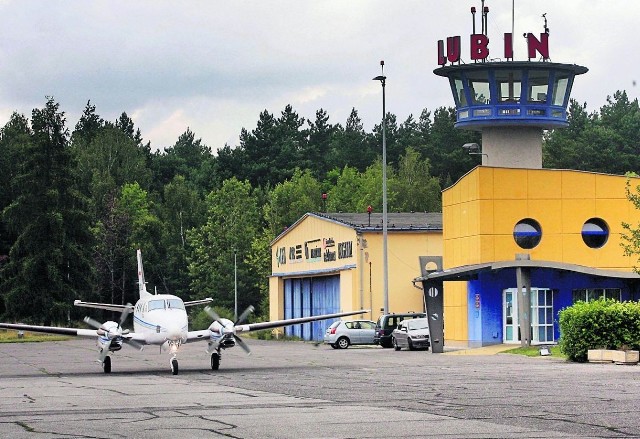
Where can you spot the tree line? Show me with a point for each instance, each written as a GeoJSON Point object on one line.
{"type": "Point", "coordinates": [76, 204]}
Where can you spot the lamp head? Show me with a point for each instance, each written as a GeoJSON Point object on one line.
{"type": "Point", "coordinates": [471, 146]}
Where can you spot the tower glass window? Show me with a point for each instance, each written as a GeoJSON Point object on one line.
{"type": "Point", "coordinates": [509, 85]}
{"type": "Point", "coordinates": [560, 88]}
{"type": "Point", "coordinates": [538, 85]}
{"type": "Point", "coordinates": [460, 96]}
{"type": "Point", "coordinates": [527, 233]}
{"type": "Point", "coordinates": [479, 84]}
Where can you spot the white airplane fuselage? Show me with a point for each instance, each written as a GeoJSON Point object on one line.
{"type": "Point", "coordinates": [161, 318]}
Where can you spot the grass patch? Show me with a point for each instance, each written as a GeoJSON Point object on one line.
{"type": "Point", "coordinates": [534, 351]}
{"type": "Point", "coordinates": [11, 336]}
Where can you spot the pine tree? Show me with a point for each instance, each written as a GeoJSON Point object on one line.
{"type": "Point", "coordinates": [48, 263]}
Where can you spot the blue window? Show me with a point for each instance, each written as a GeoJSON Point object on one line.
{"type": "Point", "coordinates": [595, 233]}
{"type": "Point", "coordinates": [527, 233]}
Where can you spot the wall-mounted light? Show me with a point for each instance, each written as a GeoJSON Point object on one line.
{"type": "Point", "coordinates": [474, 149]}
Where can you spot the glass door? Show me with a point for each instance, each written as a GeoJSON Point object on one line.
{"type": "Point", "coordinates": [510, 332]}
{"type": "Point", "coordinates": [541, 316]}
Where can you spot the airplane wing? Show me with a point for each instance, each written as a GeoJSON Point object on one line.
{"type": "Point", "coordinates": [51, 330]}
{"type": "Point", "coordinates": [288, 322]}
{"type": "Point", "coordinates": [205, 334]}
{"type": "Point", "coordinates": [107, 306]}
{"type": "Point", "coordinates": [198, 302]}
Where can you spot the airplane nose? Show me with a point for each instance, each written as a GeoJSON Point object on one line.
{"type": "Point", "coordinates": [174, 333]}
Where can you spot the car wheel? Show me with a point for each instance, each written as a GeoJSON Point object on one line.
{"type": "Point", "coordinates": [395, 344]}
{"type": "Point", "coordinates": [343, 342]}
{"type": "Point", "coordinates": [410, 344]}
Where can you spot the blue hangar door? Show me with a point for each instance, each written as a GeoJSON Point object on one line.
{"type": "Point", "coordinates": [309, 296]}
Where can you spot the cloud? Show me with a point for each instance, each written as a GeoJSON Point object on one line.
{"type": "Point", "coordinates": [214, 66]}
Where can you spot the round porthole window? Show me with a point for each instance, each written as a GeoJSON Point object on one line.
{"type": "Point", "coordinates": [527, 233]}
{"type": "Point", "coordinates": [595, 233]}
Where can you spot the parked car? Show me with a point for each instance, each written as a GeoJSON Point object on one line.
{"type": "Point", "coordinates": [411, 334]}
{"type": "Point", "coordinates": [388, 322]}
{"type": "Point", "coordinates": [342, 334]}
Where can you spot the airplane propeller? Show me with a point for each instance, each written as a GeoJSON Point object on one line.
{"type": "Point", "coordinates": [113, 331]}
{"type": "Point", "coordinates": [229, 329]}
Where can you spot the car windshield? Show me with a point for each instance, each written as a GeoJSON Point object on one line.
{"type": "Point", "coordinates": [334, 324]}
{"type": "Point", "coordinates": [418, 324]}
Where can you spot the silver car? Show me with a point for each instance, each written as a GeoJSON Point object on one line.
{"type": "Point", "coordinates": [342, 334]}
{"type": "Point", "coordinates": [411, 334]}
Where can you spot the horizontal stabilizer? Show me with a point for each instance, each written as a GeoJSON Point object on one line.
{"type": "Point", "coordinates": [198, 302]}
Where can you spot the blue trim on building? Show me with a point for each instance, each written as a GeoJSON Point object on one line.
{"type": "Point", "coordinates": [323, 271]}
{"type": "Point", "coordinates": [485, 324]}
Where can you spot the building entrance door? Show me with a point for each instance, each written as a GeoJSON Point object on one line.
{"type": "Point", "coordinates": [541, 316]}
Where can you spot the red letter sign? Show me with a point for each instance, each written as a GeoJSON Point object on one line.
{"type": "Point", "coordinates": [441, 59]}
{"type": "Point", "coordinates": [542, 46]}
{"type": "Point", "coordinates": [479, 46]}
{"type": "Point", "coordinates": [453, 49]}
{"type": "Point", "coordinates": [508, 46]}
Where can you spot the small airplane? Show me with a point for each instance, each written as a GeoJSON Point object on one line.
{"type": "Point", "coordinates": [161, 319]}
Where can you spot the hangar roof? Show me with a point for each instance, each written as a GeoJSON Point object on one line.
{"type": "Point", "coordinates": [361, 222]}
{"type": "Point", "coordinates": [397, 221]}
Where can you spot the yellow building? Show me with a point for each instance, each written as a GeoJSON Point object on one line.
{"type": "Point", "coordinates": [517, 243]}
{"type": "Point", "coordinates": [332, 262]}
{"type": "Point", "coordinates": [562, 227]}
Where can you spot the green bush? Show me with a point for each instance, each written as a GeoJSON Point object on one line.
{"type": "Point", "coordinates": [599, 324]}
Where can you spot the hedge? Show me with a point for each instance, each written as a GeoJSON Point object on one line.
{"type": "Point", "coordinates": [599, 324]}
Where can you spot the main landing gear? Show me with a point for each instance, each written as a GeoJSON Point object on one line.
{"type": "Point", "coordinates": [215, 360]}
{"type": "Point", "coordinates": [106, 364]}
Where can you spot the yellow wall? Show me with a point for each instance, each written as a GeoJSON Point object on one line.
{"type": "Point", "coordinates": [309, 234]}
{"type": "Point", "coordinates": [482, 208]}
{"type": "Point", "coordinates": [404, 248]}
{"type": "Point", "coordinates": [403, 251]}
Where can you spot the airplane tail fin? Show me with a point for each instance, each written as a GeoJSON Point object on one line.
{"type": "Point", "coordinates": [142, 286]}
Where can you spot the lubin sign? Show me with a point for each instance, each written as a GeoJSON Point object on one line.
{"type": "Point", "coordinates": [479, 48]}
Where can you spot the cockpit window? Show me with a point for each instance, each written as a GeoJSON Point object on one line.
{"type": "Point", "coordinates": [156, 304]}
{"type": "Point", "coordinates": [175, 304]}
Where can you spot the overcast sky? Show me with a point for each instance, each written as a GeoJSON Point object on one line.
{"type": "Point", "coordinates": [214, 66]}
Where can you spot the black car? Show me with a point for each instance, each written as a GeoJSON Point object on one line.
{"type": "Point", "coordinates": [387, 323]}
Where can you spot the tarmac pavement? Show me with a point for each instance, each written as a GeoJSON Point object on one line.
{"type": "Point", "coordinates": [302, 390]}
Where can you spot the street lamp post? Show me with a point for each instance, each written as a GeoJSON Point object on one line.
{"type": "Point", "coordinates": [235, 283]}
{"type": "Point", "coordinates": [385, 269]}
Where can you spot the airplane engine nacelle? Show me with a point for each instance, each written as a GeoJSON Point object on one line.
{"type": "Point", "coordinates": [215, 329]}
{"type": "Point", "coordinates": [217, 332]}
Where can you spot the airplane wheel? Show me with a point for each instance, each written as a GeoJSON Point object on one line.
{"type": "Point", "coordinates": [215, 361]}
{"type": "Point", "coordinates": [106, 364]}
{"type": "Point", "coordinates": [174, 366]}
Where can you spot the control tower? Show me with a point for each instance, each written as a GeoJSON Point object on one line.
{"type": "Point", "coordinates": [509, 101]}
